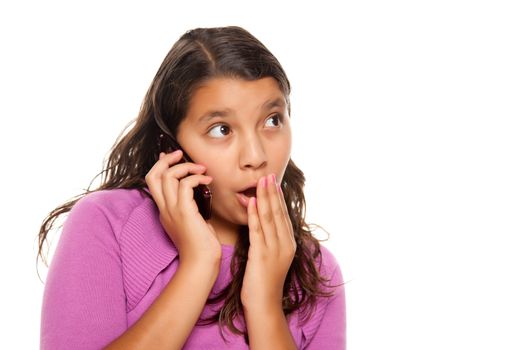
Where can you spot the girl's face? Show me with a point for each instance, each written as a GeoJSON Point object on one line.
{"type": "Point", "coordinates": [240, 130]}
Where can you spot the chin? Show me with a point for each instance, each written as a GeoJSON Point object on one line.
{"type": "Point", "coordinates": [242, 219]}
{"type": "Point", "coordinates": [236, 218]}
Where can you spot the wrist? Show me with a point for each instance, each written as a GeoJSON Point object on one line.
{"type": "Point", "coordinates": [268, 329]}
{"type": "Point", "coordinates": [254, 300]}
{"type": "Point", "coordinates": [266, 307]}
{"type": "Point", "coordinates": [198, 256]}
{"type": "Point", "coordinates": [200, 265]}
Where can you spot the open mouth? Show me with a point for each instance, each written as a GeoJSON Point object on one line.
{"type": "Point", "coordinates": [245, 196]}
{"type": "Point", "coordinates": [250, 192]}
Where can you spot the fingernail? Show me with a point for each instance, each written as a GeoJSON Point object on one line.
{"type": "Point", "coordinates": [272, 178]}
{"type": "Point", "coordinates": [280, 189]}
{"type": "Point", "coordinates": [263, 182]}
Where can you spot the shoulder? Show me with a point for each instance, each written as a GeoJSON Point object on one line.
{"type": "Point", "coordinates": [328, 260]}
{"type": "Point", "coordinates": [127, 220]}
{"type": "Point", "coordinates": [130, 214]}
{"type": "Point", "coordinates": [97, 220]}
{"type": "Point", "coordinates": [328, 265]}
{"type": "Point", "coordinates": [114, 207]}
{"type": "Point", "coordinates": [114, 202]}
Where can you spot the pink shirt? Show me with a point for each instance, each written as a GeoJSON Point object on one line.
{"type": "Point", "coordinates": [114, 258]}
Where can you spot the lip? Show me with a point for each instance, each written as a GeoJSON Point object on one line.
{"type": "Point", "coordinates": [243, 199]}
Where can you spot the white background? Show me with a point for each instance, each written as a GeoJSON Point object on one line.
{"type": "Point", "coordinates": [408, 121]}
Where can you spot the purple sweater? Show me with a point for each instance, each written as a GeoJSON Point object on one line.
{"type": "Point", "coordinates": [114, 258]}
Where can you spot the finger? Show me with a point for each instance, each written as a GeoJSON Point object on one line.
{"type": "Point", "coordinates": [155, 188]}
{"type": "Point", "coordinates": [279, 214]}
{"type": "Point", "coordinates": [162, 164]}
{"type": "Point", "coordinates": [265, 213]}
{"type": "Point", "coordinates": [170, 180]}
{"type": "Point", "coordinates": [169, 159]}
{"type": "Point", "coordinates": [254, 227]}
{"type": "Point", "coordinates": [181, 170]}
{"type": "Point", "coordinates": [186, 189]}
{"type": "Point", "coordinates": [154, 175]}
{"type": "Point", "coordinates": [286, 212]}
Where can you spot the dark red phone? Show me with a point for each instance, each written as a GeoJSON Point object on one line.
{"type": "Point", "coordinates": [202, 194]}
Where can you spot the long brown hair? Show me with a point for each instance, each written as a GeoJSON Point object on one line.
{"type": "Point", "coordinates": [199, 55]}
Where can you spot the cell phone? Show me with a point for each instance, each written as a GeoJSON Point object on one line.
{"type": "Point", "coordinates": [201, 194]}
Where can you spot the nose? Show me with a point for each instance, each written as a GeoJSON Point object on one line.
{"type": "Point", "coordinates": [252, 153]}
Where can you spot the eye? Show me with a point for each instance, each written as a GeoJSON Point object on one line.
{"type": "Point", "coordinates": [218, 131]}
{"type": "Point", "coordinates": [276, 119]}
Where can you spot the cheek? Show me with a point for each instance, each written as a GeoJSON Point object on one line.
{"type": "Point", "coordinates": [286, 140]}
{"type": "Point", "coordinates": [282, 150]}
{"type": "Point", "coordinates": [283, 154]}
{"type": "Point", "coordinates": [213, 170]}
{"type": "Point", "coordinates": [219, 170]}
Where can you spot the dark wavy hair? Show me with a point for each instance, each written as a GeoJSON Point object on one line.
{"type": "Point", "coordinates": [199, 55]}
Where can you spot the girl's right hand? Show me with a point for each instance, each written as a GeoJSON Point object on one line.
{"type": "Point", "coordinates": [171, 186]}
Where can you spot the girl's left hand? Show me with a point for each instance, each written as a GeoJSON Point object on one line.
{"type": "Point", "coordinates": [272, 247]}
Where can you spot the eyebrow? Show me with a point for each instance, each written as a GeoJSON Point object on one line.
{"type": "Point", "coordinates": [276, 102]}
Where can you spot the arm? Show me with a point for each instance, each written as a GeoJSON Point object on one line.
{"type": "Point", "coordinates": [268, 328]}
{"type": "Point", "coordinates": [170, 319]}
{"type": "Point", "coordinates": [272, 248]}
{"type": "Point", "coordinates": [84, 304]}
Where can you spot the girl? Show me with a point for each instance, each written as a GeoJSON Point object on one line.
{"type": "Point", "coordinates": [140, 266]}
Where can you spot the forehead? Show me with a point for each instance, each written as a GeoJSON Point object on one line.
{"type": "Point", "coordinates": [234, 95]}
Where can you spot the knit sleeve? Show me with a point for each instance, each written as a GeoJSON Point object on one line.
{"type": "Point", "coordinates": [330, 330]}
{"type": "Point", "coordinates": [84, 305]}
